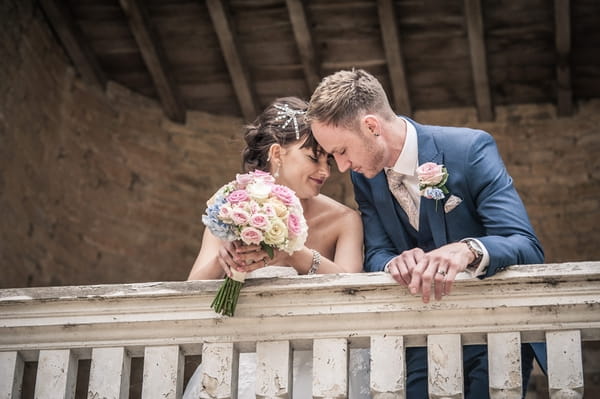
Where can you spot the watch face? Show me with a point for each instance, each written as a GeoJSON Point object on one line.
{"type": "Point", "coordinates": [476, 250]}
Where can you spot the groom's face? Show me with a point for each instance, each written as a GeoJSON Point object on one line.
{"type": "Point", "coordinates": [351, 150]}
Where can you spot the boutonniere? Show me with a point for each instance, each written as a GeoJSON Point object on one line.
{"type": "Point", "coordinates": [432, 181]}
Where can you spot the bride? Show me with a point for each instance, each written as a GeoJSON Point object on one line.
{"type": "Point", "coordinates": [280, 142]}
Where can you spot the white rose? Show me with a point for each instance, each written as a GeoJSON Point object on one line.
{"type": "Point", "coordinates": [280, 209]}
{"type": "Point", "coordinates": [277, 234]}
{"type": "Point", "coordinates": [259, 191]}
{"type": "Point", "coordinates": [295, 244]}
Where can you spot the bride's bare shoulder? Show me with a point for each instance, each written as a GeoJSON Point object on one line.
{"type": "Point", "coordinates": [335, 208]}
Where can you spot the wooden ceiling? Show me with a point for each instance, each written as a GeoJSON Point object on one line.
{"type": "Point", "coordinates": [233, 57]}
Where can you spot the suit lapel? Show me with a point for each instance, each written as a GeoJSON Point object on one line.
{"type": "Point", "coordinates": [429, 212]}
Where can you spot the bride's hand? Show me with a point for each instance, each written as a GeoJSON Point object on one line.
{"type": "Point", "coordinates": [280, 258]}
{"type": "Point", "coordinates": [226, 257]}
{"type": "Point", "coordinates": [247, 258]}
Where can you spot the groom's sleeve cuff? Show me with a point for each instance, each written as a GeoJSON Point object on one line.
{"type": "Point", "coordinates": [485, 261]}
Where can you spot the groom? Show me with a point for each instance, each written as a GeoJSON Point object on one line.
{"type": "Point", "coordinates": [435, 201]}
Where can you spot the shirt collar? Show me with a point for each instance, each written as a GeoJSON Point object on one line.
{"type": "Point", "coordinates": [408, 160]}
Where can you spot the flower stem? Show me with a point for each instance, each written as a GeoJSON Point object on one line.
{"type": "Point", "coordinates": [226, 299]}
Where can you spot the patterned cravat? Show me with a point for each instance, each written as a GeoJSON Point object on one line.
{"type": "Point", "coordinates": [403, 197]}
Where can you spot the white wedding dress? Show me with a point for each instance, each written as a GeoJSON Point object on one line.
{"type": "Point", "coordinates": [358, 383]}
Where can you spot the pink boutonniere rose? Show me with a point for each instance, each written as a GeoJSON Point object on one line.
{"type": "Point", "coordinates": [432, 181]}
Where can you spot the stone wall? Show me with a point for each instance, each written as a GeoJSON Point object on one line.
{"type": "Point", "coordinates": [97, 186]}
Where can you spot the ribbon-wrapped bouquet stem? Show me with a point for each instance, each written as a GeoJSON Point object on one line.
{"type": "Point", "coordinates": [256, 211]}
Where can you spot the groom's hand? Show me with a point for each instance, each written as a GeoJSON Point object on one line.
{"type": "Point", "coordinates": [401, 267]}
{"type": "Point", "coordinates": [439, 268]}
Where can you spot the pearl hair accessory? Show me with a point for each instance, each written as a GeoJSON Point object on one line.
{"type": "Point", "coordinates": [288, 115]}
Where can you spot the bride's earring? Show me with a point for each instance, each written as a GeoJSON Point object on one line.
{"type": "Point", "coordinates": [276, 173]}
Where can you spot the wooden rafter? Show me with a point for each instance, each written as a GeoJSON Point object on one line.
{"type": "Point", "coordinates": [562, 17]}
{"type": "Point", "coordinates": [304, 41]}
{"type": "Point", "coordinates": [154, 58]}
{"type": "Point", "coordinates": [481, 83]}
{"type": "Point", "coordinates": [235, 65]}
{"type": "Point", "coordinates": [71, 37]}
{"type": "Point", "coordinates": [393, 54]}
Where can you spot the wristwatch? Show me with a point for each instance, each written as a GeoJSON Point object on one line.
{"type": "Point", "coordinates": [475, 248]}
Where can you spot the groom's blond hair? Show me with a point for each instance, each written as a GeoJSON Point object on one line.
{"type": "Point", "coordinates": [341, 98]}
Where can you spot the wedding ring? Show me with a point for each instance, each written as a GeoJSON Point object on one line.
{"type": "Point", "coordinates": [442, 272]}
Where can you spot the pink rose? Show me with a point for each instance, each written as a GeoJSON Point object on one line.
{"type": "Point", "coordinates": [225, 213]}
{"type": "Point", "coordinates": [242, 180]}
{"type": "Point", "coordinates": [240, 217]}
{"type": "Point", "coordinates": [250, 235]}
{"type": "Point", "coordinates": [251, 207]}
{"type": "Point", "coordinates": [259, 220]}
{"type": "Point", "coordinates": [430, 174]}
{"type": "Point", "coordinates": [263, 176]}
{"type": "Point", "coordinates": [286, 195]}
{"type": "Point", "coordinates": [237, 196]}
{"type": "Point", "coordinates": [294, 224]}
{"type": "Point", "coordinates": [269, 210]}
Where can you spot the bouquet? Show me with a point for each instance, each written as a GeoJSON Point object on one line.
{"type": "Point", "coordinates": [254, 210]}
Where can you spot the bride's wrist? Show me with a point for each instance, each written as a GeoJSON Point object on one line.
{"type": "Point", "coordinates": [316, 262]}
{"type": "Point", "coordinates": [305, 260]}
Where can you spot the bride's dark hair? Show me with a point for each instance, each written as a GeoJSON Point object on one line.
{"type": "Point", "coordinates": [268, 129]}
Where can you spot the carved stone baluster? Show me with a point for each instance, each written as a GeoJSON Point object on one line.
{"type": "Point", "coordinates": [565, 365]}
{"type": "Point", "coordinates": [219, 371]}
{"type": "Point", "coordinates": [274, 369]}
{"type": "Point", "coordinates": [56, 374]}
{"type": "Point", "coordinates": [109, 373]}
{"type": "Point", "coordinates": [163, 372]}
{"type": "Point", "coordinates": [330, 368]}
{"type": "Point", "coordinates": [445, 362]}
{"type": "Point", "coordinates": [388, 373]}
{"type": "Point", "coordinates": [504, 359]}
{"type": "Point", "coordinates": [11, 375]}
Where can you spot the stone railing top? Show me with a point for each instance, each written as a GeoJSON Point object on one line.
{"type": "Point", "coordinates": [535, 274]}
{"type": "Point", "coordinates": [531, 299]}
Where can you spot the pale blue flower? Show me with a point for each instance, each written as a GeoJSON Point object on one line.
{"type": "Point", "coordinates": [434, 193]}
{"type": "Point", "coordinates": [214, 224]}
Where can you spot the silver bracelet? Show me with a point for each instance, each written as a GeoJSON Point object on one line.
{"type": "Point", "coordinates": [316, 262]}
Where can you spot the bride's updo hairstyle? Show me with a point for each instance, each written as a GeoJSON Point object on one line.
{"type": "Point", "coordinates": [283, 123]}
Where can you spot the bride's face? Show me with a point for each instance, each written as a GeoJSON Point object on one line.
{"type": "Point", "coordinates": [302, 171]}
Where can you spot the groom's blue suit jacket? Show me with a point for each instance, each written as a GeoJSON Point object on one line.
{"type": "Point", "coordinates": [490, 211]}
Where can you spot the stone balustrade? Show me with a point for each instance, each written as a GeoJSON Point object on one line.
{"type": "Point", "coordinates": [329, 315]}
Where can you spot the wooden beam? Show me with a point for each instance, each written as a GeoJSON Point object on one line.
{"type": "Point", "coordinates": [562, 17]}
{"type": "Point", "coordinates": [393, 54]}
{"type": "Point", "coordinates": [154, 58]}
{"type": "Point", "coordinates": [481, 83]}
{"type": "Point", "coordinates": [63, 23]}
{"type": "Point", "coordinates": [304, 41]}
{"type": "Point", "coordinates": [235, 65]}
